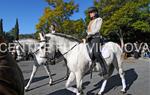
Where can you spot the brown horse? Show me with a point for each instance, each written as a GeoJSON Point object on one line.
{"type": "Point", "coordinates": [11, 78]}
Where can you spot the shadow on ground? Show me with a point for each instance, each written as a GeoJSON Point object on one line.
{"type": "Point", "coordinates": [36, 79]}
{"type": "Point", "coordinates": [66, 92]}
{"type": "Point", "coordinates": [115, 81]}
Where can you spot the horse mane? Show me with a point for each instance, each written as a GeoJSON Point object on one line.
{"type": "Point", "coordinates": [69, 37]}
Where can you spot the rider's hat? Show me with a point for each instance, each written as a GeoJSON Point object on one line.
{"type": "Point", "coordinates": [92, 9]}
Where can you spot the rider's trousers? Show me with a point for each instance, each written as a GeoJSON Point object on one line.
{"type": "Point", "coordinates": [95, 44]}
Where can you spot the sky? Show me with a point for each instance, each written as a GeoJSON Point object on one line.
{"type": "Point", "coordinates": [28, 13]}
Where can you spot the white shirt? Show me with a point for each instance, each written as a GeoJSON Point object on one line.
{"type": "Point", "coordinates": [53, 31]}
{"type": "Point", "coordinates": [95, 26]}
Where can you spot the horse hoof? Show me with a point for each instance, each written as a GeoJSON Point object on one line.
{"type": "Point", "coordinates": [66, 77]}
{"type": "Point", "coordinates": [26, 89]}
{"type": "Point", "coordinates": [50, 84]}
{"type": "Point", "coordinates": [123, 92]}
{"type": "Point", "coordinates": [82, 93]}
{"type": "Point", "coordinates": [100, 94]}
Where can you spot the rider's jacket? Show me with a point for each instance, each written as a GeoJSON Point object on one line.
{"type": "Point", "coordinates": [94, 26]}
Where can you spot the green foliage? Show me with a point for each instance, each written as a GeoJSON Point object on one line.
{"type": "Point", "coordinates": [58, 13]}
{"type": "Point", "coordinates": [23, 36]}
{"type": "Point", "coordinates": [16, 30]}
{"type": "Point", "coordinates": [36, 35]}
{"type": "Point", "coordinates": [131, 17]}
{"type": "Point", "coordinates": [1, 27]}
{"type": "Point", "coordinates": [141, 25]}
{"type": "Point", "coordinates": [9, 37]}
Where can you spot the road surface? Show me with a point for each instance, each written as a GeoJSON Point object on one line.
{"type": "Point", "coordinates": [137, 74]}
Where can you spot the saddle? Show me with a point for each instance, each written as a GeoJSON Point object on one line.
{"type": "Point", "coordinates": [103, 51]}
{"type": "Point", "coordinates": [90, 46]}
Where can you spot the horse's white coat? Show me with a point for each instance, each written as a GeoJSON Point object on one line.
{"type": "Point", "coordinates": [79, 61]}
{"type": "Point", "coordinates": [40, 59]}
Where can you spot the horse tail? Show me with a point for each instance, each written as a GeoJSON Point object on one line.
{"type": "Point", "coordinates": [124, 55]}
{"type": "Point", "coordinates": [119, 33]}
{"type": "Point", "coordinates": [122, 43]}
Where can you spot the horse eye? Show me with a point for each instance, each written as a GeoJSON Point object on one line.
{"type": "Point", "coordinates": [42, 47]}
{"type": "Point", "coordinates": [47, 38]}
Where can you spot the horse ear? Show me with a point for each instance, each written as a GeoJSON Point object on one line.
{"type": "Point", "coordinates": [41, 36]}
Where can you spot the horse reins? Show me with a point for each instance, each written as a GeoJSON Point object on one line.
{"type": "Point", "coordinates": [65, 52]}
{"type": "Point", "coordinates": [70, 49]}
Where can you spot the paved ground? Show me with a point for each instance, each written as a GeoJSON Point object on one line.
{"type": "Point", "coordinates": [137, 77]}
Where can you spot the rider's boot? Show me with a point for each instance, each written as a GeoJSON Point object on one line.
{"type": "Point", "coordinates": [104, 69]}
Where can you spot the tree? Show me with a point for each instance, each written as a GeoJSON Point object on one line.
{"type": "Point", "coordinates": [23, 36]}
{"type": "Point", "coordinates": [1, 28]}
{"type": "Point", "coordinates": [9, 37]}
{"type": "Point", "coordinates": [16, 30]}
{"type": "Point", "coordinates": [13, 34]}
{"type": "Point", "coordinates": [131, 17]}
{"type": "Point", "coordinates": [58, 13]}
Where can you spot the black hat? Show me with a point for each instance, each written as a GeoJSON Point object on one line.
{"type": "Point", "coordinates": [92, 9]}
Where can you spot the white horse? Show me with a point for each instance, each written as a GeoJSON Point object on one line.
{"type": "Point", "coordinates": [22, 48]}
{"type": "Point", "coordinates": [79, 62]}
{"type": "Point", "coordinates": [40, 60]}
{"type": "Point", "coordinates": [36, 48]}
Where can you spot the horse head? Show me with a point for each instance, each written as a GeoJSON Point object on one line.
{"type": "Point", "coordinates": [17, 52]}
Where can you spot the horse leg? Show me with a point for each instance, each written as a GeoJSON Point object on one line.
{"type": "Point", "coordinates": [34, 70]}
{"type": "Point", "coordinates": [49, 74]}
{"type": "Point", "coordinates": [67, 73]}
{"type": "Point", "coordinates": [70, 79]}
{"type": "Point", "coordinates": [79, 83]}
{"type": "Point", "coordinates": [121, 73]}
{"type": "Point", "coordinates": [102, 87]}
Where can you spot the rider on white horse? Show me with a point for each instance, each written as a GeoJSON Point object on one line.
{"type": "Point", "coordinates": [93, 38]}
{"type": "Point", "coordinates": [52, 28]}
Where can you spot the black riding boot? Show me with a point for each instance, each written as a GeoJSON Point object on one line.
{"type": "Point", "coordinates": [96, 42]}
{"type": "Point", "coordinates": [99, 58]}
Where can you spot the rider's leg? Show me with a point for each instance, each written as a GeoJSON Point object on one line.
{"type": "Point", "coordinates": [98, 56]}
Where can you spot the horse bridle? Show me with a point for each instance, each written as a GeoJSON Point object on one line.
{"type": "Point", "coordinates": [39, 49]}
{"type": "Point", "coordinates": [18, 49]}
{"type": "Point", "coordinates": [64, 53]}
{"type": "Point", "coordinates": [31, 51]}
